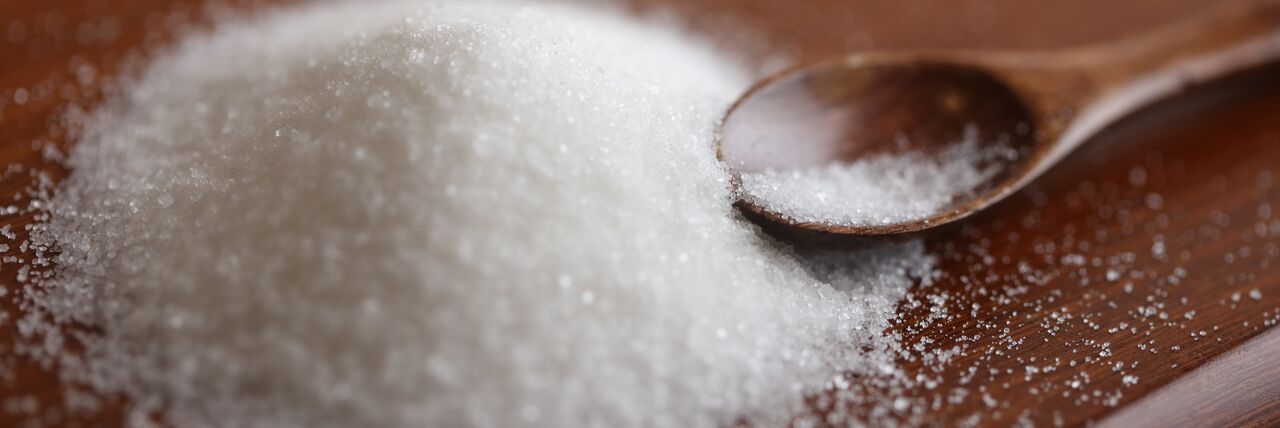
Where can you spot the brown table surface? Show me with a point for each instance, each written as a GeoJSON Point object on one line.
{"type": "Point", "coordinates": [1054, 297]}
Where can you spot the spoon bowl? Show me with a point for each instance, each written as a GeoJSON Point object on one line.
{"type": "Point", "coordinates": [855, 108]}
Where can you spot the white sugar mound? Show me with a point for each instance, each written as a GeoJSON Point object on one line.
{"type": "Point", "coordinates": [879, 190]}
{"type": "Point", "coordinates": [432, 213]}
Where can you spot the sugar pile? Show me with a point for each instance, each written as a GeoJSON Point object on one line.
{"type": "Point", "coordinates": [878, 190]}
{"type": "Point", "coordinates": [435, 213]}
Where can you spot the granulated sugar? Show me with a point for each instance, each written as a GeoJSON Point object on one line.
{"type": "Point", "coordinates": [879, 190]}
{"type": "Point", "coordinates": [439, 214]}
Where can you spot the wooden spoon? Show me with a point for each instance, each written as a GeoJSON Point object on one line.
{"type": "Point", "coordinates": [1042, 104]}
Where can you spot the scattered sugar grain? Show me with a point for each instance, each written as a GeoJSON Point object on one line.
{"type": "Point", "coordinates": [439, 213]}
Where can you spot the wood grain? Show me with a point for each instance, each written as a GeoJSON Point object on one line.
{"type": "Point", "coordinates": [1211, 160]}
{"type": "Point", "coordinates": [1237, 388]}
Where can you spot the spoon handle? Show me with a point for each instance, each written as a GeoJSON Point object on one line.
{"type": "Point", "coordinates": [1116, 79]}
{"type": "Point", "coordinates": [1220, 42]}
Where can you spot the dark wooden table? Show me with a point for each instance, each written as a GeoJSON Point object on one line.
{"type": "Point", "coordinates": [1135, 285]}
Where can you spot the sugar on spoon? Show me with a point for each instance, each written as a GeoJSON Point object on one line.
{"type": "Point", "coordinates": [1042, 105]}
